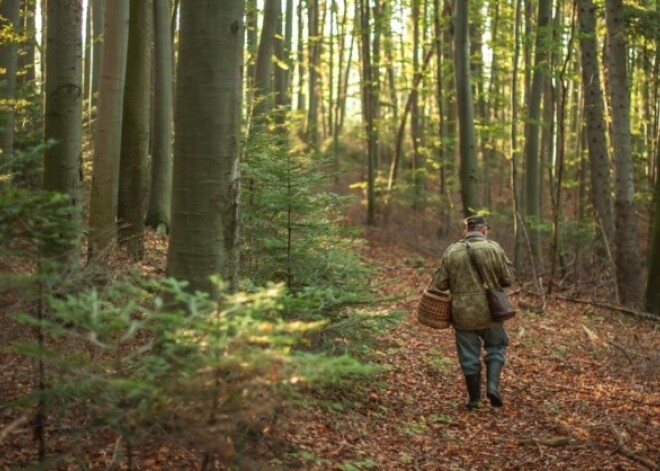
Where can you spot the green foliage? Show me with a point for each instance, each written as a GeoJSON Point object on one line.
{"type": "Point", "coordinates": [144, 358]}
{"type": "Point", "coordinates": [294, 234]}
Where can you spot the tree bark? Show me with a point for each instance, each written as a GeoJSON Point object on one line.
{"type": "Point", "coordinates": [628, 260]}
{"type": "Point", "coordinates": [204, 235]}
{"type": "Point", "coordinates": [133, 170]}
{"type": "Point", "coordinates": [369, 97]}
{"type": "Point", "coordinates": [9, 23]}
{"type": "Point", "coordinates": [98, 13]}
{"type": "Point", "coordinates": [263, 76]}
{"type": "Point", "coordinates": [63, 118]}
{"type": "Point", "coordinates": [594, 118]}
{"type": "Point", "coordinates": [107, 134]}
{"type": "Point", "coordinates": [314, 60]}
{"type": "Point", "coordinates": [469, 171]}
{"type": "Point", "coordinates": [533, 170]}
{"type": "Point", "coordinates": [653, 282]}
{"type": "Point", "coordinates": [158, 212]}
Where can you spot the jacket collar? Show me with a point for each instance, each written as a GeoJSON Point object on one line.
{"type": "Point", "coordinates": [474, 235]}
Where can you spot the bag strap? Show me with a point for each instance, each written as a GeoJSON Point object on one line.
{"type": "Point", "coordinates": [475, 264]}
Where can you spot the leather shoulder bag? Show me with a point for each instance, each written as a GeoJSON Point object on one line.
{"type": "Point", "coordinates": [500, 307]}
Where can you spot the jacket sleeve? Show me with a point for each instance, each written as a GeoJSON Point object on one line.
{"type": "Point", "coordinates": [506, 275]}
{"type": "Point", "coordinates": [441, 276]}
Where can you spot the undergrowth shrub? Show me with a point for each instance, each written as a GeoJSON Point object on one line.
{"type": "Point", "coordinates": [186, 371]}
{"type": "Point", "coordinates": [295, 233]}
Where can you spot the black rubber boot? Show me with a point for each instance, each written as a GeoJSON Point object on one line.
{"type": "Point", "coordinates": [473, 383]}
{"type": "Point", "coordinates": [493, 371]}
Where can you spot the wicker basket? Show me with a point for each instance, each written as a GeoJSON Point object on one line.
{"type": "Point", "coordinates": [434, 309]}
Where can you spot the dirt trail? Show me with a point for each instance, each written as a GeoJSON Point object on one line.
{"type": "Point", "coordinates": [580, 387]}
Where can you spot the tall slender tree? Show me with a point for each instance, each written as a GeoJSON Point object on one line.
{"type": "Point", "coordinates": [133, 171]}
{"type": "Point", "coordinates": [314, 61]}
{"type": "Point", "coordinates": [628, 259]}
{"type": "Point", "coordinates": [653, 282]}
{"type": "Point", "coordinates": [63, 116]}
{"type": "Point", "coordinates": [107, 133]}
{"type": "Point", "coordinates": [204, 235]}
{"type": "Point", "coordinates": [532, 200]}
{"type": "Point", "coordinates": [594, 112]}
{"type": "Point", "coordinates": [469, 171]}
{"type": "Point", "coordinates": [9, 21]}
{"type": "Point", "coordinates": [158, 211]}
{"type": "Point", "coordinates": [98, 15]}
{"type": "Point", "coordinates": [369, 98]}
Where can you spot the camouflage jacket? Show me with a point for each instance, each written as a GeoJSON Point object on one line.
{"type": "Point", "coordinates": [469, 307]}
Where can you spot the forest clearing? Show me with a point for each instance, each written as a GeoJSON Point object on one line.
{"type": "Point", "coordinates": [218, 217]}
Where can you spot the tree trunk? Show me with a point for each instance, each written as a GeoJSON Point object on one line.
{"type": "Point", "coordinates": [158, 213]}
{"type": "Point", "coordinates": [107, 134]}
{"type": "Point", "coordinates": [533, 170]}
{"type": "Point", "coordinates": [369, 97]}
{"type": "Point", "coordinates": [314, 60]}
{"type": "Point", "coordinates": [469, 171]}
{"type": "Point", "coordinates": [628, 260]}
{"type": "Point", "coordinates": [204, 235]}
{"type": "Point", "coordinates": [133, 170]}
{"type": "Point", "coordinates": [515, 150]}
{"type": "Point", "coordinates": [594, 118]}
{"type": "Point", "coordinates": [63, 117]}
{"type": "Point", "coordinates": [98, 14]}
{"type": "Point", "coordinates": [416, 131]}
{"type": "Point", "coordinates": [9, 23]}
{"type": "Point", "coordinates": [283, 54]}
{"type": "Point", "coordinates": [263, 76]}
{"type": "Point", "coordinates": [27, 55]}
{"type": "Point", "coordinates": [653, 283]}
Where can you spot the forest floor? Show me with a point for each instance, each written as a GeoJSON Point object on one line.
{"type": "Point", "coordinates": [581, 390]}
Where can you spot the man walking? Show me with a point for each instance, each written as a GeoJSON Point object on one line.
{"type": "Point", "coordinates": [470, 314]}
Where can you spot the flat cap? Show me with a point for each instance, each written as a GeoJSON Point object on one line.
{"type": "Point", "coordinates": [474, 221]}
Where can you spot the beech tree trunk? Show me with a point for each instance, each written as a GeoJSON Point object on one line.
{"type": "Point", "coordinates": [133, 170]}
{"type": "Point", "coordinates": [63, 117]}
{"type": "Point", "coordinates": [532, 203]}
{"type": "Point", "coordinates": [469, 171]}
{"type": "Point", "coordinates": [107, 133]}
{"type": "Point", "coordinates": [158, 212]}
{"type": "Point", "coordinates": [628, 259]}
{"type": "Point", "coordinates": [9, 22]}
{"type": "Point", "coordinates": [209, 88]}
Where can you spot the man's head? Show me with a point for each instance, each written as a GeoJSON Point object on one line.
{"type": "Point", "coordinates": [476, 223]}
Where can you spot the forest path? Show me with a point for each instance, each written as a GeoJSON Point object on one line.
{"type": "Point", "coordinates": [581, 391]}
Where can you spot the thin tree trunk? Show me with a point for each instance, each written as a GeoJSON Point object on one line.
{"type": "Point", "coordinates": [133, 182]}
{"type": "Point", "coordinates": [9, 24]}
{"type": "Point", "coordinates": [653, 282]}
{"type": "Point", "coordinates": [314, 56]}
{"type": "Point", "coordinates": [594, 118]}
{"type": "Point", "coordinates": [629, 273]}
{"type": "Point", "coordinates": [160, 196]}
{"type": "Point", "coordinates": [263, 75]}
{"type": "Point", "coordinates": [532, 158]}
{"type": "Point", "coordinates": [98, 14]}
{"type": "Point", "coordinates": [107, 134]}
{"type": "Point", "coordinates": [515, 151]}
{"type": "Point", "coordinates": [469, 171]}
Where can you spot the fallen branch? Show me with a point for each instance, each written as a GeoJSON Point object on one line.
{"type": "Point", "coordinates": [605, 305]}
{"type": "Point", "coordinates": [554, 441]}
{"type": "Point", "coordinates": [12, 426]}
{"type": "Point", "coordinates": [628, 453]}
